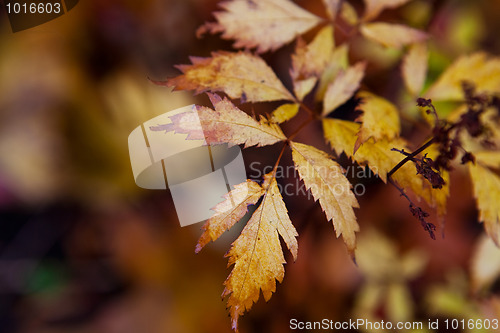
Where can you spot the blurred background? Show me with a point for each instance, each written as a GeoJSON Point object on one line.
{"type": "Point", "coordinates": [83, 249]}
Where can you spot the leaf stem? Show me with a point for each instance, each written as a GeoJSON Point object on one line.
{"type": "Point", "coordinates": [278, 162]}
{"type": "Point", "coordinates": [297, 131]}
{"type": "Point", "coordinates": [393, 183]}
{"type": "Point", "coordinates": [305, 107]}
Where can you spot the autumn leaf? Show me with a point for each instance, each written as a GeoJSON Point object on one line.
{"type": "Point", "coordinates": [240, 75]}
{"type": "Point", "coordinates": [487, 158]}
{"type": "Point", "coordinates": [264, 24]}
{"type": "Point", "coordinates": [374, 7]}
{"type": "Point", "coordinates": [257, 255]}
{"type": "Point", "coordinates": [379, 157]}
{"type": "Point", "coordinates": [230, 211]}
{"type": "Point", "coordinates": [392, 35]}
{"type": "Point", "coordinates": [343, 87]}
{"type": "Point", "coordinates": [309, 61]}
{"type": "Point", "coordinates": [487, 193]}
{"type": "Point", "coordinates": [225, 124]}
{"type": "Point", "coordinates": [303, 87]}
{"type": "Point", "coordinates": [479, 68]}
{"type": "Point", "coordinates": [325, 179]}
{"type": "Point", "coordinates": [284, 113]}
{"type": "Point", "coordinates": [380, 118]}
{"type": "Point", "coordinates": [414, 68]}
{"type": "Point", "coordinates": [338, 62]}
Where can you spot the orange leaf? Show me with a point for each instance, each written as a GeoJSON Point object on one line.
{"type": "Point", "coordinates": [239, 75]}
{"type": "Point", "coordinates": [227, 124]}
{"type": "Point", "coordinates": [257, 255]}
{"type": "Point", "coordinates": [325, 179]}
{"type": "Point", "coordinates": [392, 35]}
{"type": "Point", "coordinates": [264, 24]}
{"type": "Point", "coordinates": [309, 61]}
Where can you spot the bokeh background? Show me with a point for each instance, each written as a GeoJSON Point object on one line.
{"type": "Point", "coordinates": [83, 249]}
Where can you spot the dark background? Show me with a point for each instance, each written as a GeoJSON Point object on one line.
{"type": "Point", "coordinates": [82, 249]}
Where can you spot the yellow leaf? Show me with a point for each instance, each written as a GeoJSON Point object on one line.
{"type": "Point", "coordinates": [478, 68]}
{"type": "Point", "coordinates": [490, 159]}
{"type": "Point", "coordinates": [284, 112]}
{"type": "Point", "coordinates": [380, 118]}
{"type": "Point", "coordinates": [310, 60]}
{"type": "Point", "coordinates": [392, 35]}
{"type": "Point", "coordinates": [414, 68]}
{"type": "Point", "coordinates": [257, 255]}
{"type": "Point", "coordinates": [341, 135]}
{"type": "Point", "coordinates": [325, 179]}
{"type": "Point", "coordinates": [487, 192]}
{"type": "Point", "coordinates": [374, 7]}
{"type": "Point", "coordinates": [343, 87]}
{"type": "Point", "coordinates": [264, 24]}
{"type": "Point", "coordinates": [230, 211]}
{"type": "Point", "coordinates": [227, 124]}
{"type": "Point", "coordinates": [485, 264]}
{"type": "Point", "coordinates": [239, 75]}
{"type": "Point", "coordinates": [304, 87]}
{"type": "Point", "coordinates": [332, 7]}
{"type": "Point", "coordinates": [338, 61]}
